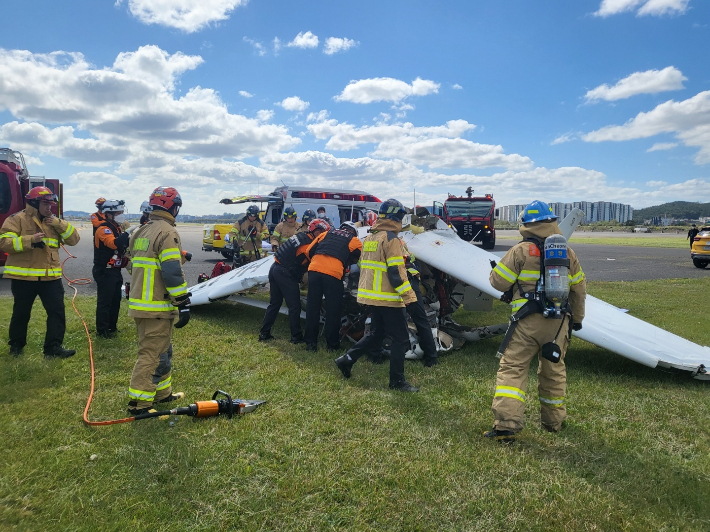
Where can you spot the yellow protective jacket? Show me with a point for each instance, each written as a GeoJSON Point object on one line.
{"type": "Point", "coordinates": [156, 268]}
{"type": "Point", "coordinates": [240, 231]}
{"type": "Point", "coordinates": [283, 232]}
{"type": "Point", "coordinates": [520, 266]}
{"type": "Point", "coordinates": [29, 263]}
{"type": "Point", "coordinates": [383, 277]}
{"type": "Point", "coordinates": [302, 227]}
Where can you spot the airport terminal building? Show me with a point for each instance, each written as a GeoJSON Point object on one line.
{"type": "Point", "coordinates": [594, 211]}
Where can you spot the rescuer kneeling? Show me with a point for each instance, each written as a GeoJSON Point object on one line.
{"type": "Point", "coordinates": [31, 238]}
{"type": "Point", "coordinates": [110, 244]}
{"type": "Point", "coordinates": [542, 280]}
{"type": "Point", "coordinates": [158, 295]}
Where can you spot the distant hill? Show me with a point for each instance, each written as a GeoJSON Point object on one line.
{"type": "Point", "coordinates": [77, 214]}
{"type": "Point", "coordinates": [676, 209]}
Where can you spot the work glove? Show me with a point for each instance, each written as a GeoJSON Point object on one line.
{"type": "Point", "coordinates": [183, 304]}
{"type": "Point", "coordinates": [187, 255]}
{"type": "Point", "coordinates": [576, 326]}
{"type": "Point", "coordinates": [493, 263]}
{"type": "Point", "coordinates": [39, 244]}
{"type": "Point", "coordinates": [121, 241]}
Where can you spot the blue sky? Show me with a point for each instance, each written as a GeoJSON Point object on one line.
{"type": "Point", "coordinates": [554, 100]}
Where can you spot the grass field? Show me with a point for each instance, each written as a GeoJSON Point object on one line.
{"type": "Point", "coordinates": [330, 454]}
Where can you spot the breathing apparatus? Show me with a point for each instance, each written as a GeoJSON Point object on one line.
{"type": "Point", "coordinates": [556, 281]}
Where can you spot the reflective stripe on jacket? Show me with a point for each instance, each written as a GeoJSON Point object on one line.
{"type": "Point", "coordinates": [29, 263]}
{"type": "Point", "coordinates": [282, 233]}
{"type": "Point", "coordinates": [520, 268]}
{"type": "Point", "coordinates": [242, 228]}
{"type": "Point", "coordinates": [383, 277]}
{"type": "Point", "coordinates": [156, 268]}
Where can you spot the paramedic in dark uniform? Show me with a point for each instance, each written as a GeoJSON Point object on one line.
{"type": "Point", "coordinates": [290, 263]}
{"type": "Point", "coordinates": [330, 253]}
{"type": "Point", "coordinates": [110, 243]}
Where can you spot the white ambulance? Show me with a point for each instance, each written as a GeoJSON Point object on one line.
{"type": "Point", "coordinates": [340, 205]}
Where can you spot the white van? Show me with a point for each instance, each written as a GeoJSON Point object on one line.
{"type": "Point", "coordinates": [340, 205]}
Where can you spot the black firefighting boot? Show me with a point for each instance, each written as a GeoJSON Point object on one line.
{"type": "Point", "coordinates": [502, 436]}
{"type": "Point", "coordinates": [345, 365]}
{"type": "Point", "coordinates": [59, 352]}
{"type": "Point", "coordinates": [404, 386]}
{"type": "Point", "coordinates": [175, 396]}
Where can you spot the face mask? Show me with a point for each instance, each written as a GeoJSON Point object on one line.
{"type": "Point", "coordinates": [119, 219]}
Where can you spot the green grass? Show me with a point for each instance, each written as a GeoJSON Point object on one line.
{"type": "Point", "coordinates": [330, 454]}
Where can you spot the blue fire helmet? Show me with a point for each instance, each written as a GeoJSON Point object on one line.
{"type": "Point", "coordinates": [252, 210]}
{"type": "Point", "coordinates": [392, 209]}
{"type": "Point", "coordinates": [537, 211]}
{"type": "Point", "coordinates": [289, 212]}
{"type": "Point", "coordinates": [308, 215]}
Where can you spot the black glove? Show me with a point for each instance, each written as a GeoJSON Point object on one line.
{"type": "Point", "coordinates": [39, 244]}
{"type": "Point", "coordinates": [183, 303]}
{"type": "Point", "coordinates": [576, 326]}
{"type": "Point", "coordinates": [187, 255]}
{"type": "Point", "coordinates": [493, 263]}
{"type": "Point", "coordinates": [184, 317]}
{"type": "Point", "coordinates": [121, 241]}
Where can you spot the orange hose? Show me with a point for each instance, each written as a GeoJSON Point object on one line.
{"type": "Point", "coordinates": [72, 283]}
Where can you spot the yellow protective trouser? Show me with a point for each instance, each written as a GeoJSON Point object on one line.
{"type": "Point", "coordinates": [151, 379]}
{"type": "Point", "coordinates": [512, 379]}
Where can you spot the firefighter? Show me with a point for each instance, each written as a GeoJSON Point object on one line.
{"type": "Point", "coordinates": [306, 219]}
{"type": "Point", "coordinates": [385, 290]}
{"type": "Point", "coordinates": [290, 263]}
{"type": "Point", "coordinates": [31, 238]}
{"type": "Point", "coordinates": [519, 275]}
{"type": "Point", "coordinates": [97, 218]}
{"type": "Point", "coordinates": [145, 209]}
{"type": "Point", "coordinates": [110, 244]}
{"type": "Point", "coordinates": [248, 232]}
{"type": "Point", "coordinates": [158, 295]}
{"type": "Point", "coordinates": [285, 229]}
{"type": "Point", "coordinates": [330, 253]}
{"type": "Point", "coordinates": [417, 312]}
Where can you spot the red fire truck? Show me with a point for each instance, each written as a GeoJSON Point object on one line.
{"type": "Point", "coordinates": [472, 217]}
{"type": "Point", "coordinates": [15, 182]}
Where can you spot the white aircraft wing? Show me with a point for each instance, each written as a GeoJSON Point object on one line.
{"type": "Point", "coordinates": [238, 280]}
{"type": "Point", "coordinates": [604, 325]}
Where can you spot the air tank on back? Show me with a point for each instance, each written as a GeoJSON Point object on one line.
{"type": "Point", "coordinates": [556, 270]}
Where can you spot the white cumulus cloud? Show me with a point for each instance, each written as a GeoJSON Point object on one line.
{"type": "Point", "coordinates": [294, 103]}
{"type": "Point", "coordinates": [186, 15]}
{"type": "Point", "coordinates": [688, 119]}
{"type": "Point", "coordinates": [333, 45]}
{"type": "Point", "coordinates": [648, 82]}
{"type": "Point", "coordinates": [642, 7]}
{"type": "Point", "coordinates": [385, 89]}
{"type": "Point", "coordinates": [661, 146]}
{"type": "Point", "coordinates": [304, 40]}
{"type": "Point", "coordinates": [245, 94]}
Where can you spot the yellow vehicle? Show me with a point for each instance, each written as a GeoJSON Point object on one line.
{"type": "Point", "coordinates": [700, 252]}
{"type": "Point", "coordinates": [213, 239]}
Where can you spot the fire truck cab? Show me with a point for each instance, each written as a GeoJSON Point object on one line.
{"type": "Point", "coordinates": [15, 183]}
{"type": "Point", "coordinates": [472, 217]}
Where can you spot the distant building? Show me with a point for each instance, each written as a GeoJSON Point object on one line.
{"type": "Point", "coordinates": [594, 211]}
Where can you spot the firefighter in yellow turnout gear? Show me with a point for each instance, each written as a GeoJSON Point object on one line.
{"type": "Point", "coordinates": [517, 274]}
{"type": "Point", "coordinates": [158, 295]}
{"type": "Point", "coordinates": [285, 229]}
{"type": "Point", "coordinates": [248, 233]}
{"type": "Point", "coordinates": [385, 289]}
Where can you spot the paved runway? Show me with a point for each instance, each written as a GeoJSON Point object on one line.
{"type": "Point", "coordinates": [600, 263]}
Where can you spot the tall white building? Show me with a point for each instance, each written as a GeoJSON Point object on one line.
{"type": "Point", "coordinates": [594, 211]}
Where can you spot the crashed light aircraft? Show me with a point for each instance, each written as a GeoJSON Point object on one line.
{"type": "Point", "coordinates": [455, 272]}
